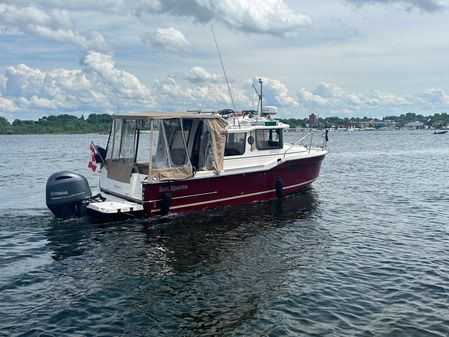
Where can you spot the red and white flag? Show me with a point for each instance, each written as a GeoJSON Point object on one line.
{"type": "Point", "coordinates": [92, 163]}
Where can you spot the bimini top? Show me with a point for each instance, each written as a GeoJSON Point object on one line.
{"type": "Point", "coordinates": [166, 115]}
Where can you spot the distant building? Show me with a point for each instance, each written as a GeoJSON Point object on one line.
{"type": "Point", "coordinates": [415, 125]}
{"type": "Point", "coordinates": [312, 120]}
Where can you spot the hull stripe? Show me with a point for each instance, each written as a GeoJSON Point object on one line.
{"type": "Point", "coordinates": [185, 196]}
{"type": "Point", "coordinates": [234, 197]}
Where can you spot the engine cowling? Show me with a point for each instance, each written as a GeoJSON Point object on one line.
{"type": "Point", "coordinates": [67, 194]}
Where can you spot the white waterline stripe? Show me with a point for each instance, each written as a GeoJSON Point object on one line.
{"type": "Point", "coordinates": [234, 197]}
{"type": "Point", "coordinates": [185, 196]}
{"type": "Point", "coordinates": [297, 185]}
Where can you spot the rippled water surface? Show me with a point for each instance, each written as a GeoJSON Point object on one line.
{"type": "Point", "coordinates": [364, 252]}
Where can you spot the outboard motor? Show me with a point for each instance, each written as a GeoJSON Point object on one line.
{"type": "Point", "coordinates": [67, 194]}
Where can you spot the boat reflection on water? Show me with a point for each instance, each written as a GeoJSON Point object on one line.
{"type": "Point", "coordinates": [186, 242]}
{"type": "Point", "coordinates": [182, 236]}
{"type": "Point", "coordinates": [196, 272]}
{"type": "Point", "coordinates": [223, 267]}
{"type": "Point", "coordinates": [67, 238]}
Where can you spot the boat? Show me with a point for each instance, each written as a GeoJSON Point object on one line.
{"type": "Point", "coordinates": [440, 132]}
{"type": "Point", "coordinates": [156, 163]}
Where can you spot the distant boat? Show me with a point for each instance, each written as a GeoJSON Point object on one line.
{"type": "Point", "coordinates": [441, 132]}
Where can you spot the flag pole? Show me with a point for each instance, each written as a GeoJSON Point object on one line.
{"type": "Point", "coordinates": [99, 155]}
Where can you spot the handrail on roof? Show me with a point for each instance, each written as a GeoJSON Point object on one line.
{"type": "Point", "coordinates": [309, 146]}
{"type": "Point", "coordinates": [165, 115]}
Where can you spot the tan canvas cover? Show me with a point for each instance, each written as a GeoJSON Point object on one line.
{"type": "Point", "coordinates": [172, 173]}
{"type": "Point", "coordinates": [218, 132]}
{"type": "Point", "coordinates": [119, 171]}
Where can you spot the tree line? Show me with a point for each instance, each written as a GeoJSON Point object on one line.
{"type": "Point", "coordinates": [58, 124]}
{"type": "Point", "coordinates": [438, 120]}
{"type": "Point", "coordinates": [102, 123]}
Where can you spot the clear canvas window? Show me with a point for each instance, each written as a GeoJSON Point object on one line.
{"type": "Point", "coordinates": [235, 144]}
{"type": "Point", "coordinates": [122, 150]}
{"type": "Point", "coordinates": [267, 139]}
{"type": "Point", "coordinates": [122, 145]}
{"type": "Point", "coordinates": [164, 148]}
{"type": "Point", "coordinates": [170, 147]}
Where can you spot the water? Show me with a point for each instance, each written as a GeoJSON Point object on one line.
{"type": "Point", "coordinates": [364, 252]}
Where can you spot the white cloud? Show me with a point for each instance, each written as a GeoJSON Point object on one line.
{"type": "Point", "coordinates": [329, 99]}
{"type": "Point", "coordinates": [434, 97]}
{"type": "Point", "coordinates": [200, 75]}
{"type": "Point", "coordinates": [54, 24]}
{"type": "Point", "coordinates": [423, 5]}
{"type": "Point", "coordinates": [176, 92]}
{"type": "Point", "coordinates": [2, 84]}
{"type": "Point", "coordinates": [7, 106]}
{"type": "Point", "coordinates": [97, 87]}
{"type": "Point", "coordinates": [105, 6]}
{"type": "Point", "coordinates": [382, 98]}
{"type": "Point", "coordinates": [199, 89]}
{"type": "Point", "coordinates": [100, 71]}
{"type": "Point", "coordinates": [269, 16]}
{"type": "Point", "coordinates": [276, 93]}
{"type": "Point", "coordinates": [168, 39]}
{"type": "Point", "coordinates": [273, 17]}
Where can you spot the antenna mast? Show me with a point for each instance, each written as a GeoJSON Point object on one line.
{"type": "Point", "coordinates": [222, 67]}
{"type": "Point", "coordinates": [260, 95]}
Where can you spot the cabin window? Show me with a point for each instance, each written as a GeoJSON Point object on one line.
{"type": "Point", "coordinates": [268, 139]}
{"type": "Point", "coordinates": [176, 141]}
{"type": "Point", "coordinates": [170, 148]}
{"type": "Point", "coordinates": [143, 146]}
{"type": "Point", "coordinates": [235, 144]}
{"type": "Point", "coordinates": [122, 146]}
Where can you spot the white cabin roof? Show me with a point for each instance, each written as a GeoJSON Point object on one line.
{"type": "Point", "coordinates": [165, 115]}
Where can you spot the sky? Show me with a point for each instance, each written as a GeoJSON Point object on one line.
{"type": "Point", "coordinates": [345, 58]}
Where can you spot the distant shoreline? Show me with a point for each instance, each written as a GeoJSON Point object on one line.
{"type": "Point", "coordinates": [60, 124]}
{"type": "Point", "coordinates": [54, 134]}
{"type": "Point", "coordinates": [101, 124]}
{"type": "Point", "coordinates": [288, 130]}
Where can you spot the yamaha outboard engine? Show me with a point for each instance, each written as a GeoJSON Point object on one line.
{"type": "Point", "coordinates": [67, 194]}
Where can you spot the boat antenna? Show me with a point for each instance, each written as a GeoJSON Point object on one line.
{"type": "Point", "coordinates": [222, 67]}
{"type": "Point", "coordinates": [252, 98]}
{"type": "Point", "coordinates": [259, 104]}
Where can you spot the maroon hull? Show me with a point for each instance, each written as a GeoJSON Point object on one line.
{"type": "Point", "coordinates": [289, 177]}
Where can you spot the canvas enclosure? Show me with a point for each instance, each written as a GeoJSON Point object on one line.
{"type": "Point", "coordinates": [179, 145]}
